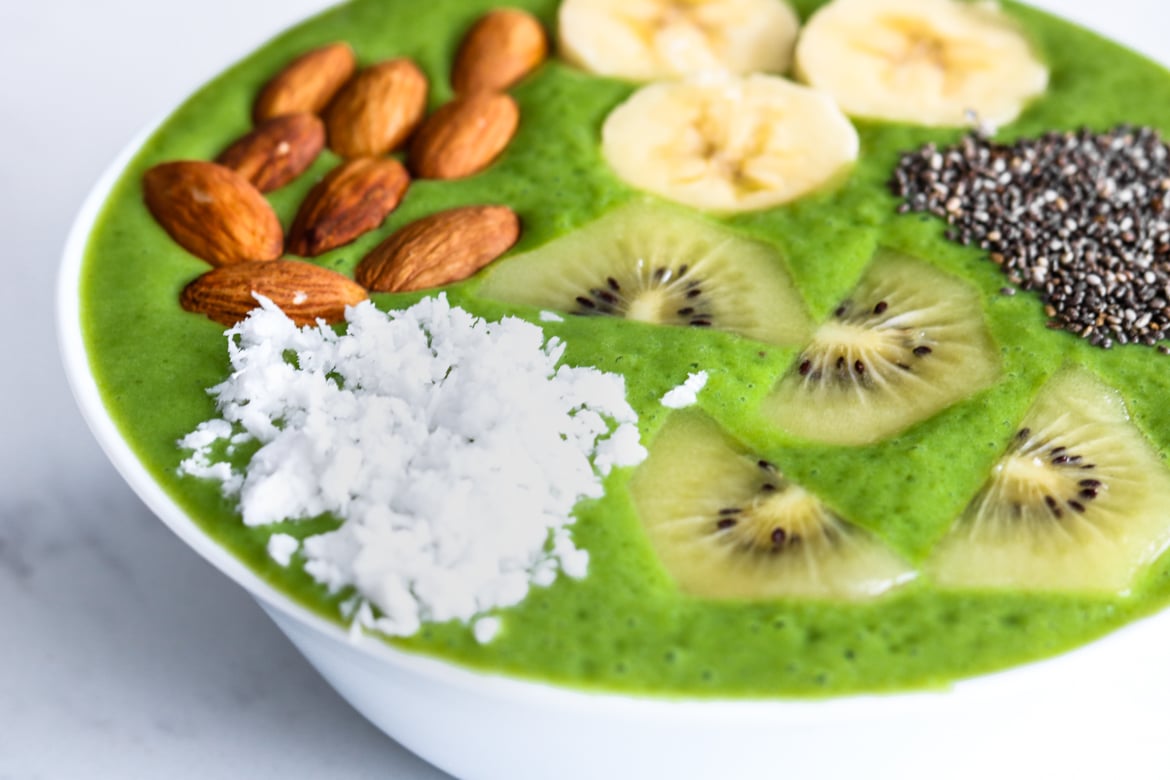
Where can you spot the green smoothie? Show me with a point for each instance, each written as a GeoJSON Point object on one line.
{"type": "Point", "coordinates": [626, 627]}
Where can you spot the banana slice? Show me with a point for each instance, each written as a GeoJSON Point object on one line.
{"type": "Point", "coordinates": [726, 143]}
{"type": "Point", "coordinates": [647, 40]}
{"type": "Point", "coordinates": [927, 62]}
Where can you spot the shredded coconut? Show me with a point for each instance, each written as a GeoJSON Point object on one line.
{"type": "Point", "coordinates": [281, 548]}
{"type": "Point", "coordinates": [687, 393]}
{"type": "Point", "coordinates": [452, 450]}
{"type": "Point", "coordinates": [551, 316]}
{"type": "Point", "coordinates": [485, 629]}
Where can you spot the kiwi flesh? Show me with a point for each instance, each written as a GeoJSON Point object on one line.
{"type": "Point", "coordinates": [908, 342]}
{"type": "Point", "coordinates": [1078, 502]}
{"type": "Point", "coordinates": [727, 524]}
{"type": "Point", "coordinates": [658, 264]}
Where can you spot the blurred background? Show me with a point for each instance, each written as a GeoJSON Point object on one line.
{"type": "Point", "coordinates": [122, 654]}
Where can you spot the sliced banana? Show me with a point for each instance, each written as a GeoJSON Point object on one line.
{"type": "Point", "coordinates": [926, 62]}
{"type": "Point", "coordinates": [647, 40]}
{"type": "Point", "coordinates": [726, 143]}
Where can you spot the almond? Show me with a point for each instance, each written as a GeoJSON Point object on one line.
{"type": "Point", "coordinates": [377, 110]}
{"type": "Point", "coordinates": [307, 84]}
{"type": "Point", "coordinates": [440, 249]}
{"type": "Point", "coordinates": [351, 200]}
{"type": "Point", "coordinates": [464, 136]}
{"type": "Point", "coordinates": [212, 212]}
{"type": "Point", "coordinates": [501, 48]}
{"type": "Point", "coordinates": [305, 292]}
{"type": "Point", "coordinates": [277, 151]}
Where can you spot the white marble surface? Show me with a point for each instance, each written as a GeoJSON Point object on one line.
{"type": "Point", "coordinates": [123, 655]}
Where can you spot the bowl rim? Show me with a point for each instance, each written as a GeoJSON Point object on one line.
{"type": "Point", "coordinates": [1062, 671]}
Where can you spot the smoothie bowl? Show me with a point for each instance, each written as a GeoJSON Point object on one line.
{"type": "Point", "coordinates": [623, 405]}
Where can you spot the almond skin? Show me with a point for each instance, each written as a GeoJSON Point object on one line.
{"type": "Point", "coordinates": [501, 48]}
{"type": "Point", "coordinates": [305, 292]}
{"type": "Point", "coordinates": [277, 151]}
{"type": "Point", "coordinates": [440, 249]}
{"type": "Point", "coordinates": [354, 198]}
{"type": "Point", "coordinates": [464, 136]}
{"type": "Point", "coordinates": [307, 84]}
{"type": "Point", "coordinates": [377, 110]}
{"type": "Point", "coordinates": [212, 212]}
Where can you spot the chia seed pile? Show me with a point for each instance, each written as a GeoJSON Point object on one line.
{"type": "Point", "coordinates": [1081, 218]}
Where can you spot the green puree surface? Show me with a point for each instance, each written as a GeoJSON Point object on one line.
{"type": "Point", "coordinates": [626, 627]}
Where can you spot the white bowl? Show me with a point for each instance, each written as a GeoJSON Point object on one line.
{"type": "Point", "coordinates": [1101, 709]}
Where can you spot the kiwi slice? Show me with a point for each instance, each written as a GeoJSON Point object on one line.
{"type": "Point", "coordinates": [1080, 501]}
{"type": "Point", "coordinates": [729, 525]}
{"type": "Point", "coordinates": [659, 265]}
{"type": "Point", "coordinates": [908, 342]}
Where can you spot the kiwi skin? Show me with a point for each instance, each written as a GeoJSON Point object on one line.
{"type": "Point", "coordinates": [908, 342]}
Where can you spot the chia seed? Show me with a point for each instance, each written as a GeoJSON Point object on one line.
{"type": "Point", "coordinates": [1083, 221]}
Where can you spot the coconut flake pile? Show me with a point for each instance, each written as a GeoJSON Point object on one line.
{"type": "Point", "coordinates": [452, 449]}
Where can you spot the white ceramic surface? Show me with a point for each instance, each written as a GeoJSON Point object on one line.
{"type": "Point", "coordinates": [1099, 710]}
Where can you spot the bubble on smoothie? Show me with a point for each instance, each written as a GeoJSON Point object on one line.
{"type": "Point", "coordinates": [451, 449]}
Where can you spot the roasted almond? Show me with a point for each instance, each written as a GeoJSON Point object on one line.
{"type": "Point", "coordinates": [305, 292]}
{"type": "Point", "coordinates": [307, 84]}
{"type": "Point", "coordinates": [351, 200]}
{"type": "Point", "coordinates": [212, 212]}
{"type": "Point", "coordinates": [277, 151]}
{"type": "Point", "coordinates": [377, 110]}
{"type": "Point", "coordinates": [501, 48]}
{"type": "Point", "coordinates": [464, 136]}
{"type": "Point", "coordinates": [440, 249]}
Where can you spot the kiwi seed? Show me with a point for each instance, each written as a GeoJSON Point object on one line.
{"type": "Point", "coordinates": [650, 297]}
